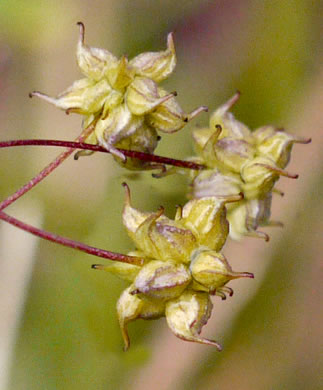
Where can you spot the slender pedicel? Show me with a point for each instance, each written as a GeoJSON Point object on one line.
{"type": "Point", "coordinates": [70, 243]}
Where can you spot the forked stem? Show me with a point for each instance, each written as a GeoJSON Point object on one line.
{"type": "Point", "coordinates": [70, 243]}
{"type": "Point", "coordinates": [46, 171]}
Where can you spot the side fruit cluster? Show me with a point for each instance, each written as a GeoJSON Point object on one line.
{"type": "Point", "coordinates": [240, 160]}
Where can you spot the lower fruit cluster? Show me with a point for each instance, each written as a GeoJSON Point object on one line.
{"type": "Point", "coordinates": [182, 266]}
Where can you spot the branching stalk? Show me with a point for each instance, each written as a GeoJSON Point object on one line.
{"type": "Point", "coordinates": [70, 243]}
{"type": "Point", "coordinates": [46, 171]}
{"type": "Point", "coordinates": [96, 148]}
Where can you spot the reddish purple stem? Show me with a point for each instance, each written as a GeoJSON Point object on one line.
{"type": "Point", "coordinates": [45, 172]}
{"type": "Point", "coordinates": [129, 153]}
{"type": "Point", "coordinates": [53, 165]}
{"type": "Point", "coordinates": [71, 243]}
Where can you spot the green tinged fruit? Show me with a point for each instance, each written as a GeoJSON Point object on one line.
{"type": "Point", "coordinates": [180, 263]}
{"type": "Point", "coordinates": [158, 236]}
{"type": "Point", "coordinates": [161, 280]}
{"type": "Point", "coordinates": [206, 217]}
{"type": "Point", "coordinates": [143, 96]}
{"type": "Point", "coordinates": [156, 66]}
{"type": "Point", "coordinates": [123, 101]}
{"type": "Point", "coordinates": [239, 160]}
{"type": "Point", "coordinates": [124, 271]}
{"type": "Point", "coordinates": [276, 144]}
{"type": "Point", "coordinates": [187, 315]}
{"type": "Point", "coordinates": [94, 63]}
{"type": "Point", "coordinates": [245, 219]}
{"type": "Point", "coordinates": [231, 127]}
{"type": "Point", "coordinates": [182, 266]}
{"type": "Point", "coordinates": [212, 270]}
{"type": "Point", "coordinates": [130, 308]}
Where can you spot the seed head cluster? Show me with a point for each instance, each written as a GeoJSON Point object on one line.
{"type": "Point", "coordinates": [242, 161]}
{"type": "Point", "coordinates": [183, 266]}
{"type": "Point", "coordinates": [182, 260]}
{"type": "Point", "coordinates": [123, 100]}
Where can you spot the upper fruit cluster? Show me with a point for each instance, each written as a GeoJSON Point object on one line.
{"type": "Point", "coordinates": [122, 98]}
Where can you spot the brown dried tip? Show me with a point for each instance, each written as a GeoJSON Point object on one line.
{"type": "Point", "coordinates": [69, 110]}
{"type": "Point", "coordinates": [218, 130]}
{"type": "Point", "coordinates": [280, 172]}
{"type": "Point", "coordinates": [223, 290]}
{"type": "Point", "coordinates": [36, 93]}
{"type": "Point", "coordinates": [258, 234]}
{"type": "Point", "coordinates": [195, 112]}
{"type": "Point", "coordinates": [160, 211]}
{"type": "Point", "coordinates": [231, 102]}
{"type": "Point", "coordinates": [279, 192]}
{"type": "Point", "coordinates": [210, 342]}
{"type": "Point", "coordinates": [201, 340]}
{"type": "Point", "coordinates": [126, 339]}
{"type": "Point", "coordinates": [275, 224]}
{"type": "Point", "coordinates": [301, 140]}
{"type": "Point", "coordinates": [238, 275]}
{"type": "Point", "coordinates": [134, 292]}
{"type": "Point", "coordinates": [127, 190]}
{"type": "Point", "coordinates": [233, 198]}
{"type": "Point", "coordinates": [82, 31]}
{"type": "Point", "coordinates": [247, 275]}
{"type": "Point", "coordinates": [228, 290]}
{"type": "Point", "coordinates": [97, 266]}
{"type": "Point", "coordinates": [179, 212]}
{"type": "Point", "coordinates": [221, 294]}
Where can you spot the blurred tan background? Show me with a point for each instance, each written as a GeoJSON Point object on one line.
{"type": "Point", "coordinates": [58, 325]}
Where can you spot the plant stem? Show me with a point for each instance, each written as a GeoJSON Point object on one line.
{"type": "Point", "coordinates": [46, 171]}
{"type": "Point", "coordinates": [96, 148]}
{"type": "Point", "coordinates": [70, 243]}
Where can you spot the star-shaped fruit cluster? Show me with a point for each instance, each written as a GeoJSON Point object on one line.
{"type": "Point", "coordinates": [242, 161]}
{"type": "Point", "coordinates": [123, 100]}
{"type": "Point", "coordinates": [177, 264]}
{"type": "Point", "coordinates": [182, 266]}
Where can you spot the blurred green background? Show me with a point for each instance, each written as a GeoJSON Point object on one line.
{"type": "Point", "coordinates": [58, 325]}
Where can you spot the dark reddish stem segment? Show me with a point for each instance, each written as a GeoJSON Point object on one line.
{"type": "Point", "coordinates": [79, 145]}
{"type": "Point", "coordinates": [45, 172]}
{"type": "Point", "coordinates": [70, 243]}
